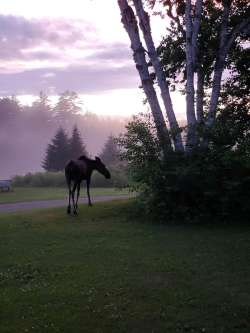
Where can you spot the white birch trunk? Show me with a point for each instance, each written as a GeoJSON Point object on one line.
{"type": "Point", "coordinates": [190, 110]}
{"type": "Point", "coordinates": [130, 24]}
{"type": "Point", "coordinates": [144, 22]}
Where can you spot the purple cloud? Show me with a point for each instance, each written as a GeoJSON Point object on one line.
{"type": "Point", "coordinates": [82, 79]}
{"type": "Point", "coordinates": [115, 51]}
{"type": "Point", "coordinates": [27, 40]}
{"type": "Point", "coordinates": [18, 34]}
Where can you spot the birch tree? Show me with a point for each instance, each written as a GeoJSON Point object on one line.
{"type": "Point", "coordinates": [190, 66]}
{"type": "Point", "coordinates": [196, 52]}
{"type": "Point", "coordinates": [131, 26]}
{"type": "Point", "coordinates": [144, 22]}
{"type": "Point", "coordinates": [215, 29]}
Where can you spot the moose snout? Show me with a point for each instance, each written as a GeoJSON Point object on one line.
{"type": "Point", "coordinates": [108, 175]}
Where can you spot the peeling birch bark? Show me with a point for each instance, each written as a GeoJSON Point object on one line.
{"type": "Point", "coordinates": [130, 24]}
{"type": "Point", "coordinates": [144, 22]}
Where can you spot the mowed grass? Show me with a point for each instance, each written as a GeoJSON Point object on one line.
{"type": "Point", "coordinates": [21, 194]}
{"type": "Point", "coordinates": [103, 271]}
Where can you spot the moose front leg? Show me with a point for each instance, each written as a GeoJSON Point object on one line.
{"type": "Point", "coordinates": [88, 184]}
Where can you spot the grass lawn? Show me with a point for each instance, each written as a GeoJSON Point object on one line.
{"type": "Point", "coordinates": [21, 194]}
{"type": "Point", "coordinates": [102, 271]}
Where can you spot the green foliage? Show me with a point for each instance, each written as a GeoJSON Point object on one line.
{"type": "Point", "coordinates": [209, 183]}
{"type": "Point", "coordinates": [40, 179]}
{"type": "Point", "coordinates": [57, 179]}
{"type": "Point", "coordinates": [172, 47]}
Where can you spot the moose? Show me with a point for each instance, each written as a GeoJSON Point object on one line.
{"type": "Point", "coordinates": [78, 170]}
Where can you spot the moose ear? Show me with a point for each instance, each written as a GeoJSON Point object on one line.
{"type": "Point", "coordinates": [97, 159]}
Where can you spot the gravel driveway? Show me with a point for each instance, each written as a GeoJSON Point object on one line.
{"type": "Point", "coordinates": [13, 207]}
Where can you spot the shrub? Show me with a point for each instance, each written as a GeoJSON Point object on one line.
{"type": "Point", "coordinates": [211, 184]}
{"type": "Point", "coordinates": [57, 179]}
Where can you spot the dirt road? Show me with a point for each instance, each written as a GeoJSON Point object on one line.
{"type": "Point", "coordinates": [18, 206]}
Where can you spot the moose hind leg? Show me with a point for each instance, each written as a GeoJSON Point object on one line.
{"type": "Point", "coordinates": [69, 209]}
{"type": "Point", "coordinates": [73, 199]}
{"type": "Point", "coordinates": [89, 200]}
{"type": "Point", "coordinates": [69, 204]}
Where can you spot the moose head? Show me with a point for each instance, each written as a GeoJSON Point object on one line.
{"type": "Point", "coordinates": [102, 168]}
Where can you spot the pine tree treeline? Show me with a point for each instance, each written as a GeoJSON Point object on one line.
{"type": "Point", "coordinates": [26, 130]}
{"type": "Point", "coordinates": [61, 149]}
{"type": "Point", "coordinates": [110, 153]}
{"type": "Point", "coordinates": [76, 145]}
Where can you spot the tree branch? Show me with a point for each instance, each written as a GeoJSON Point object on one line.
{"type": "Point", "coordinates": [175, 18]}
{"type": "Point", "coordinates": [245, 24]}
{"type": "Point", "coordinates": [196, 28]}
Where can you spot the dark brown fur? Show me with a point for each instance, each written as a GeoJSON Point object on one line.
{"type": "Point", "coordinates": [78, 170]}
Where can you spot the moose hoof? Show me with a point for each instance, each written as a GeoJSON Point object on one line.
{"type": "Point", "coordinates": [68, 210]}
{"type": "Point", "coordinates": [75, 212]}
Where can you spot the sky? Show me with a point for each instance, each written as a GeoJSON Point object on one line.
{"type": "Point", "coordinates": [79, 45]}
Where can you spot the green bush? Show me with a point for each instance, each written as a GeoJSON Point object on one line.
{"type": "Point", "coordinates": [211, 184]}
{"type": "Point", "coordinates": [57, 179]}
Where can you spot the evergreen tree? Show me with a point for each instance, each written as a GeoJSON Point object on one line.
{"type": "Point", "coordinates": [76, 145]}
{"type": "Point", "coordinates": [40, 113]}
{"type": "Point", "coordinates": [67, 107]}
{"type": "Point", "coordinates": [110, 152]}
{"type": "Point", "coordinates": [41, 106]}
{"type": "Point", "coordinates": [57, 153]}
{"type": "Point", "coordinates": [9, 110]}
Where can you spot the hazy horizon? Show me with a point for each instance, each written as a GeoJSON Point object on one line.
{"type": "Point", "coordinates": [53, 47]}
{"type": "Point", "coordinates": [57, 46]}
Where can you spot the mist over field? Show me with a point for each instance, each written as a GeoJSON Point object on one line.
{"type": "Point", "coordinates": [25, 132]}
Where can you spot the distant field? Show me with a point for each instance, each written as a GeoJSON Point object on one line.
{"type": "Point", "coordinates": [21, 194]}
{"type": "Point", "coordinates": [104, 271]}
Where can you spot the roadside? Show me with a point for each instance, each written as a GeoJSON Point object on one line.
{"type": "Point", "coordinates": [19, 206]}
{"type": "Point", "coordinates": [27, 194]}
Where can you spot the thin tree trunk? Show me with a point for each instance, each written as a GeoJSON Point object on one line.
{"type": "Point", "coordinates": [218, 70]}
{"type": "Point", "coordinates": [219, 64]}
{"type": "Point", "coordinates": [130, 24]}
{"type": "Point", "coordinates": [200, 96]}
{"type": "Point", "coordinates": [191, 119]}
{"type": "Point", "coordinates": [196, 28]}
{"type": "Point", "coordinates": [144, 22]}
